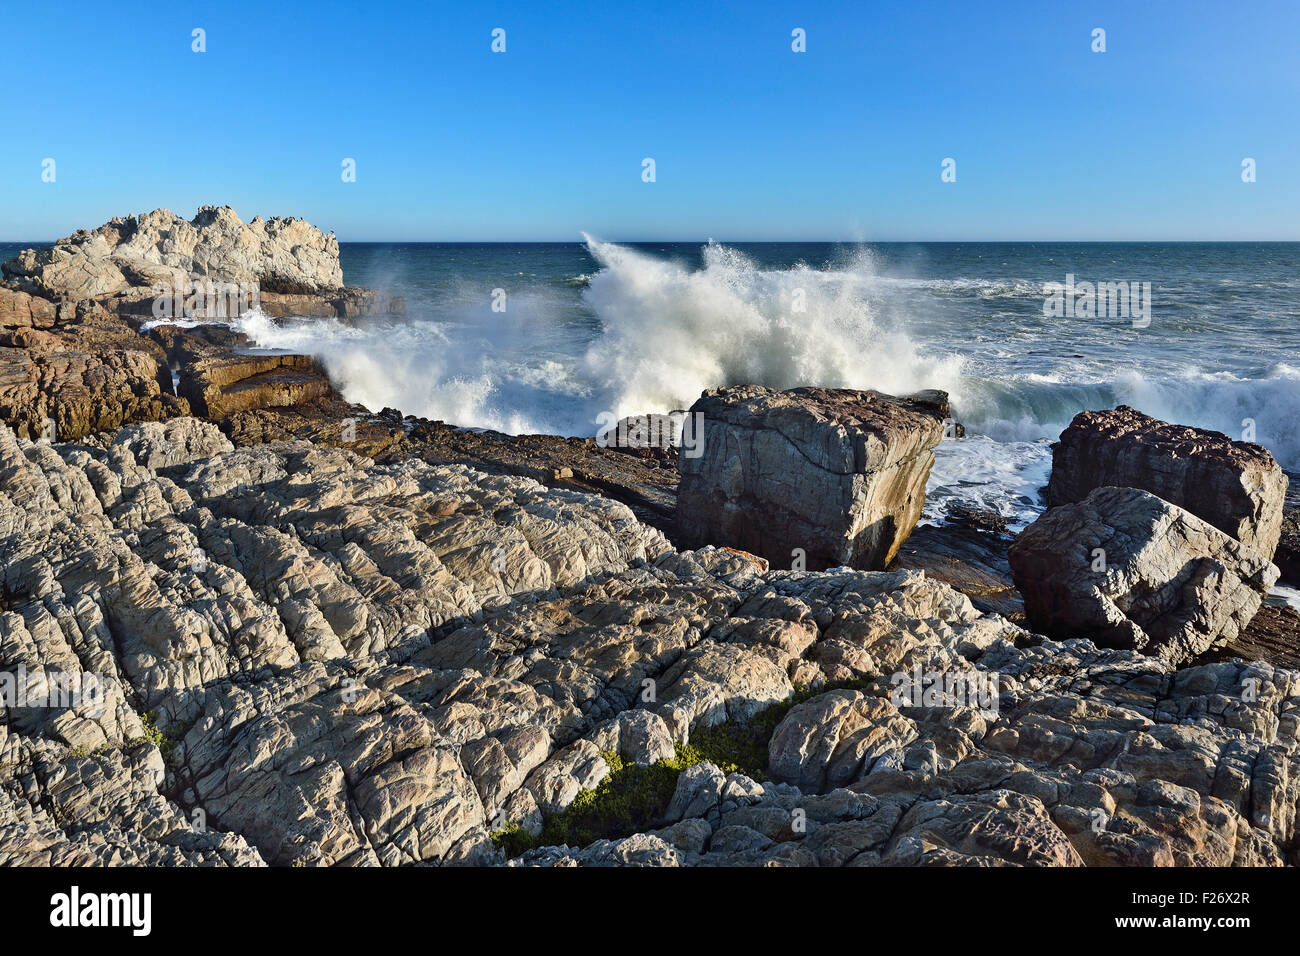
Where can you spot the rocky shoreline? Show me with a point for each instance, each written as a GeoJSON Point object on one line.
{"type": "Point", "coordinates": [320, 635]}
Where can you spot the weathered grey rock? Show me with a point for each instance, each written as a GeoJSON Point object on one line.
{"type": "Point", "coordinates": [1236, 486]}
{"type": "Point", "coordinates": [169, 587]}
{"type": "Point", "coordinates": [641, 849]}
{"type": "Point", "coordinates": [641, 736]}
{"type": "Point", "coordinates": [699, 790]}
{"type": "Point", "coordinates": [180, 441]}
{"type": "Point", "coordinates": [1130, 570]}
{"type": "Point", "coordinates": [832, 475]}
{"type": "Point", "coordinates": [717, 682]}
{"type": "Point", "coordinates": [281, 255]}
{"type": "Point", "coordinates": [384, 664]}
{"type": "Point", "coordinates": [689, 836]}
{"type": "Point", "coordinates": [101, 807]}
{"type": "Point", "coordinates": [834, 738]}
{"type": "Point", "coordinates": [558, 781]}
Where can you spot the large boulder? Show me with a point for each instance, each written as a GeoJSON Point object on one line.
{"type": "Point", "coordinates": [834, 476]}
{"type": "Point", "coordinates": [1129, 570]}
{"type": "Point", "coordinates": [23, 310]}
{"type": "Point", "coordinates": [1236, 486]}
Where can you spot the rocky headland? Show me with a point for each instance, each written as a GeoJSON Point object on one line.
{"type": "Point", "coordinates": [245, 622]}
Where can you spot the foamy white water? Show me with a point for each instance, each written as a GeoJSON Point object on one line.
{"type": "Point", "coordinates": [609, 327]}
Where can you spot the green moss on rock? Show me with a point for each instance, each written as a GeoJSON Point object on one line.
{"type": "Point", "coordinates": [633, 799]}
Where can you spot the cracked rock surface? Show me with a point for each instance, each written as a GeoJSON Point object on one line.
{"type": "Point", "coordinates": [1128, 569]}
{"type": "Point", "coordinates": [309, 658]}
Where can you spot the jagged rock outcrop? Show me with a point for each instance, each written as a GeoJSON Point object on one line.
{"type": "Point", "coordinates": [311, 658]}
{"type": "Point", "coordinates": [1236, 486]}
{"type": "Point", "coordinates": [128, 264]}
{"type": "Point", "coordinates": [833, 475]}
{"type": "Point", "coordinates": [1128, 569]}
{"type": "Point", "coordinates": [72, 357]}
{"type": "Point", "coordinates": [219, 372]}
{"type": "Point", "coordinates": [280, 255]}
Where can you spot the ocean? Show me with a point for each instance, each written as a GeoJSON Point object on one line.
{"type": "Point", "coordinates": [543, 337]}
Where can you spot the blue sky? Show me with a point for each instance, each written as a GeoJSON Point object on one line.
{"type": "Point", "coordinates": [750, 139]}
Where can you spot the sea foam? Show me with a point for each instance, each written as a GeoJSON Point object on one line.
{"type": "Point", "coordinates": [647, 333]}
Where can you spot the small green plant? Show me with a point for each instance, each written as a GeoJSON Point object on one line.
{"type": "Point", "coordinates": [632, 799]}
{"type": "Point", "coordinates": [155, 736]}
{"type": "Point", "coordinates": [737, 747]}
{"type": "Point", "coordinates": [513, 839]}
{"type": "Point", "coordinates": [627, 801]}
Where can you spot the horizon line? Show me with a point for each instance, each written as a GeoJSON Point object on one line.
{"type": "Point", "coordinates": [752, 242]}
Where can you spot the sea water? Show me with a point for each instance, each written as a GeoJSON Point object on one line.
{"type": "Point", "coordinates": [550, 337]}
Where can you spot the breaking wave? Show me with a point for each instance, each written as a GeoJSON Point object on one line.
{"type": "Point", "coordinates": [648, 333]}
{"type": "Point", "coordinates": [671, 331]}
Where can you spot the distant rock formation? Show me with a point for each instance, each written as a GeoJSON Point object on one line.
{"type": "Point", "coordinates": [280, 255]}
{"type": "Point", "coordinates": [75, 356]}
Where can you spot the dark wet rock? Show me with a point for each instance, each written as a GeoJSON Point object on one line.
{"type": "Point", "coordinates": [645, 483]}
{"type": "Point", "coordinates": [1273, 635]}
{"type": "Point", "coordinates": [969, 552]}
{"type": "Point", "coordinates": [1287, 556]}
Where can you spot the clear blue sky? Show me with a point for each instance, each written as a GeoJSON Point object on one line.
{"type": "Point", "coordinates": [751, 140]}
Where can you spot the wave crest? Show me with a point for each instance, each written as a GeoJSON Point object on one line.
{"type": "Point", "coordinates": [670, 331]}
